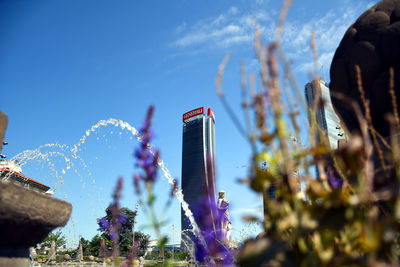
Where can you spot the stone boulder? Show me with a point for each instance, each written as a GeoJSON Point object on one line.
{"type": "Point", "coordinates": [373, 43]}
{"type": "Point", "coordinates": [66, 257]}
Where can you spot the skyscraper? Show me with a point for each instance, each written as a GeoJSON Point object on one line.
{"type": "Point", "coordinates": [198, 162]}
{"type": "Point", "coordinates": [325, 115]}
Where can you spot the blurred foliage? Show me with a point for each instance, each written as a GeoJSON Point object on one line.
{"type": "Point", "coordinates": [85, 247]}
{"type": "Point", "coordinates": [182, 255]}
{"type": "Point", "coordinates": [349, 214]}
{"type": "Point", "coordinates": [56, 236]}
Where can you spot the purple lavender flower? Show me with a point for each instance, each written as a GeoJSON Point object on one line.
{"type": "Point", "coordinates": [111, 224]}
{"type": "Point", "coordinates": [113, 235]}
{"type": "Point", "coordinates": [121, 219]}
{"type": "Point", "coordinates": [114, 208]}
{"type": "Point", "coordinates": [136, 180]}
{"type": "Point", "coordinates": [208, 217]}
{"type": "Point", "coordinates": [334, 182]}
{"type": "Point", "coordinates": [146, 160]}
{"type": "Point", "coordinates": [115, 225]}
{"type": "Point", "coordinates": [104, 224]}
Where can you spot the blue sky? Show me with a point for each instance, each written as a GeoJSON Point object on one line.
{"type": "Point", "coordinates": [65, 65]}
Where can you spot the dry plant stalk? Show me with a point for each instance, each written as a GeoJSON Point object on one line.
{"type": "Point", "coordinates": [281, 20]}
{"type": "Point", "coordinates": [368, 117]}
{"type": "Point", "coordinates": [221, 94]}
{"type": "Point", "coordinates": [315, 54]}
{"type": "Point", "coordinates": [393, 97]}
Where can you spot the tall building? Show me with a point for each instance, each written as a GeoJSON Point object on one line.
{"type": "Point", "coordinates": [198, 164]}
{"type": "Point", "coordinates": [325, 115]}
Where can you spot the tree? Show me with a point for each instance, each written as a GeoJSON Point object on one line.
{"type": "Point", "coordinates": [85, 246]}
{"type": "Point", "coordinates": [94, 246]}
{"type": "Point", "coordinates": [57, 237]}
{"type": "Point", "coordinates": [126, 218]}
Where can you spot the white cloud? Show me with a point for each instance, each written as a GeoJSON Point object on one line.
{"type": "Point", "coordinates": [233, 10]}
{"type": "Point", "coordinates": [224, 30]}
{"type": "Point", "coordinates": [261, 2]}
{"type": "Point", "coordinates": [235, 27]}
{"type": "Point", "coordinates": [181, 27]}
{"type": "Point", "coordinates": [328, 31]}
{"type": "Point", "coordinates": [324, 60]}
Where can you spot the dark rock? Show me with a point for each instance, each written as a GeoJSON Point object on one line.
{"type": "Point", "coordinates": [373, 43]}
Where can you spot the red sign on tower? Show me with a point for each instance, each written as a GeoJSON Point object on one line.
{"type": "Point", "coordinates": [193, 113]}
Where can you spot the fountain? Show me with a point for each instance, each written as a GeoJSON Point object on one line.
{"type": "Point", "coordinates": [124, 125]}
{"type": "Point", "coordinates": [188, 243]}
{"type": "Point", "coordinates": [26, 217]}
{"type": "Point", "coordinates": [72, 153]}
{"type": "Point", "coordinates": [68, 154]}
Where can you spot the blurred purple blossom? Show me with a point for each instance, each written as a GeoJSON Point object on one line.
{"type": "Point", "coordinates": [104, 224]}
{"type": "Point", "coordinates": [146, 160]}
{"type": "Point", "coordinates": [136, 180]}
{"type": "Point", "coordinates": [114, 208]}
{"type": "Point", "coordinates": [112, 222]}
{"type": "Point", "coordinates": [209, 218]}
{"type": "Point", "coordinates": [121, 219]}
{"type": "Point", "coordinates": [113, 235]}
{"type": "Point", "coordinates": [334, 182]}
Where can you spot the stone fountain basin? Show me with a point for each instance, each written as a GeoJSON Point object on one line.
{"type": "Point", "coordinates": [27, 216]}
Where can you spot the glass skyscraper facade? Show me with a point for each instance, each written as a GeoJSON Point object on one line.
{"type": "Point", "coordinates": [198, 164]}
{"type": "Point", "coordinates": [324, 113]}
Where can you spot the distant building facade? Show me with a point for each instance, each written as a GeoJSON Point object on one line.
{"type": "Point", "coordinates": [198, 164]}
{"type": "Point", "coordinates": [11, 170]}
{"type": "Point", "coordinates": [323, 112]}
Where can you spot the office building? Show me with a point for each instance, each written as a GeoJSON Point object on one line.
{"type": "Point", "coordinates": [325, 115]}
{"type": "Point", "coordinates": [322, 111]}
{"type": "Point", "coordinates": [198, 164]}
